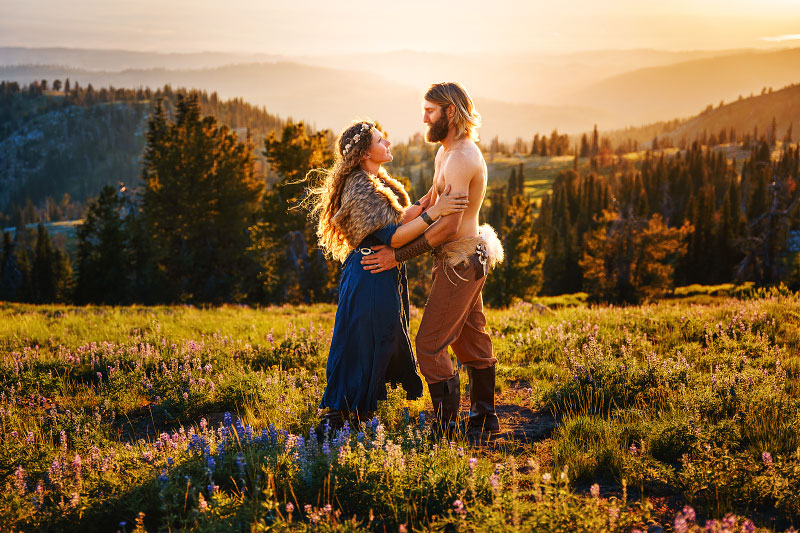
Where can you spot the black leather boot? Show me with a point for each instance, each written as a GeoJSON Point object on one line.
{"type": "Point", "coordinates": [446, 396]}
{"type": "Point", "coordinates": [332, 420]}
{"type": "Point", "coordinates": [482, 416]}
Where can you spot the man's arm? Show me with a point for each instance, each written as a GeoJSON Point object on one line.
{"type": "Point", "coordinates": [458, 173]}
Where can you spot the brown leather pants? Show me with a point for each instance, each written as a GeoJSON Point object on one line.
{"type": "Point", "coordinates": [454, 317]}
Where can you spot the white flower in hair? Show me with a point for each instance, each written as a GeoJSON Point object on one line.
{"type": "Point", "coordinates": [366, 126]}
{"type": "Point", "coordinates": [346, 148]}
{"type": "Point", "coordinates": [356, 138]}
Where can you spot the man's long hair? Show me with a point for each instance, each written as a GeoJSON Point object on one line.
{"type": "Point", "coordinates": [466, 119]}
{"type": "Point", "coordinates": [326, 199]}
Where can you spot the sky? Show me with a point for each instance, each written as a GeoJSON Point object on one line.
{"type": "Point", "coordinates": [319, 27]}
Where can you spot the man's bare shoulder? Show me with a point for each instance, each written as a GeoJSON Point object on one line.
{"type": "Point", "coordinates": [467, 157]}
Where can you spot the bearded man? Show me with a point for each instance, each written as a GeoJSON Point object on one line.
{"type": "Point", "coordinates": [464, 252]}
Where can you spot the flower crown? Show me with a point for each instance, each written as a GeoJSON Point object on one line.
{"type": "Point", "coordinates": [366, 126]}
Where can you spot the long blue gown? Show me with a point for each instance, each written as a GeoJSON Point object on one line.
{"type": "Point", "coordinates": [371, 345]}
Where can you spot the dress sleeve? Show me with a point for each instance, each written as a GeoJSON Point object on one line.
{"type": "Point", "coordinates": [386, 233]}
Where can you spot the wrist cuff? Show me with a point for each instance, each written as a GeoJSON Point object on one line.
{"type": "Point", "coordinates": [426, 217]}
{"type": "Point", "coordinates": [415, 248]}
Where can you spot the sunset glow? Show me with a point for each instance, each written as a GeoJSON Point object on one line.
{"type": "Point", "coordinates": [321, 27]}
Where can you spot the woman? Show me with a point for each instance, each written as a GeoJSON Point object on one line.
{"type": "Point", "coordinates": [360, 206]}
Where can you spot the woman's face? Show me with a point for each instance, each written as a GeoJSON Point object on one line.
{"type": "Point", "coordinates": [378, 151]}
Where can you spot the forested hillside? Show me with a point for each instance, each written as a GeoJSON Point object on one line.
{"type": "Point", "coordinates": [58, 138]}
{"type": "Point", "coordinates": [775, 113]}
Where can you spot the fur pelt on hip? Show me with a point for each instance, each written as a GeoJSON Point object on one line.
{"type": "Point", "coordinates": [369, 203]}
{"type": "Point", "coordinates": [456, 252]}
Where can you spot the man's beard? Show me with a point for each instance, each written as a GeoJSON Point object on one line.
{"type": "Point", "coordinates": [438, 130]}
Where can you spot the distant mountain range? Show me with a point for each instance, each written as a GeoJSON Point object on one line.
{"type": "Point", "coordinates": [518, 95]}
{"type": "Point", "coordinates": [325, 97]}
{"type": "Point", "coordinates": [686, 88]}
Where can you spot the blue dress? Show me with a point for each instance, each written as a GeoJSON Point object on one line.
{"type": "Point", "coordinates": [371, 345]}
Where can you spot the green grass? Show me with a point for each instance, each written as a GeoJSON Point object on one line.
{"type": "Point", "coordinates": [108, 412]}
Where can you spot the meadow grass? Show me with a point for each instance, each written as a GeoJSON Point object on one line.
{"type": "Point", "coordinates": [676, 414]}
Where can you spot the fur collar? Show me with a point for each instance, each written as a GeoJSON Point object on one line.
{"type": "Point", "coordinates": [369, 203]}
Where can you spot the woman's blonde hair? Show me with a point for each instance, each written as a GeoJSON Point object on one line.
{"type": "Point", "coordinates": [466, 119]}
{"type": "Point", "coordinates": [325, 200]}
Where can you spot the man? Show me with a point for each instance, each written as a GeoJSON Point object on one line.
{"type": "Point", "coordinates": [454, 311]}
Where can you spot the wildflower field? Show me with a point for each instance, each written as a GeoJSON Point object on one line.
{"type": "Point", "coordinates": [682, 415]}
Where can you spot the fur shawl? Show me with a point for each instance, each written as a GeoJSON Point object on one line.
{"type": "Point", "coordinates": [369, 203]}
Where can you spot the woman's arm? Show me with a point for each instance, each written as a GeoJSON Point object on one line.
{"type": "Point", "coordinates": [416, 210]}
{"type": "Point", "coordinates": [446, 205]}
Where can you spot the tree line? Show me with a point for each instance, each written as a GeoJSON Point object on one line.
{"type": "Point", "coordinates": [206, 227]}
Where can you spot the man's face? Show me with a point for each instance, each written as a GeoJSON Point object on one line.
{"type": "Point", "coordinates": [436, 120]}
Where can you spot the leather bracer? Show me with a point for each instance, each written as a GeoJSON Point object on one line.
{"type": "Point", "coordinates": [415, 248]}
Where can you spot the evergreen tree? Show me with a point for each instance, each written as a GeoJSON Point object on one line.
{"type": "Point", "coordinates": [629, 259]}
{"type": "Point", "coordinates": [585, 149]}
{"type": "Point", "coordinates": [51, 273]}
{"type": "Point", "coordinates": [519, 276]}
{"type": "Point", "coordinates": [201, 193]}
{"type": "Point", "coordinates": [289, 274]}
{"type": "Point", "coordinates": [104, 252]}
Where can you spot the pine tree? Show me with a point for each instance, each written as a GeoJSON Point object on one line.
{"type": "Point", "coordinates": [284, 276]}
{"type": "Point", "coordinates": [585, 150]}
{"type": "Point", "coordinates": [520, 274]}
{"type": "Point", "coordinates": [201, 194]}
{"type": "Point", "coordinates": [104, 254]}
{"type": "Point", "coordinates": [51, 274]}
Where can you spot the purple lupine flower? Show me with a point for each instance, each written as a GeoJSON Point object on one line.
{"type": "Point", "coordinates": [595, 491]}
{"type": "Point", "coordinates": [459, 507]}
{"type": "Point", "coordinates": [681, 526]}
{"type": "Point", "coordinates": [163, 479]}
{"type": "Point", "coordinates": [766, 457]}
{"type": "Point", "coordinates": [20, 480]}
{"type": "Point", "coordinates": [688, 513]}
{"type": "Point", "coordinates": [290, 507]}
{"type": "Point", "coordinates": [729, 522]}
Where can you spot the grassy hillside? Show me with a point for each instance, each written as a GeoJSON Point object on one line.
{"type": "Point", "coordinates": [611, 419]}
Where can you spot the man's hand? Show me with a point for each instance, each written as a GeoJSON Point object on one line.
{"type": "Point", "coordinates": [381, 261]}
